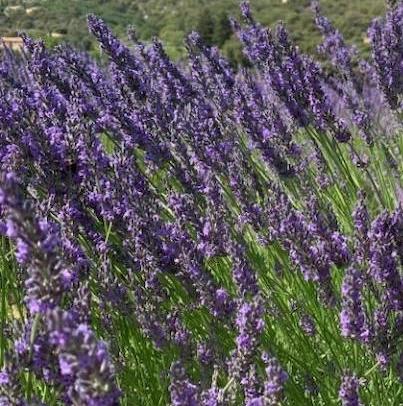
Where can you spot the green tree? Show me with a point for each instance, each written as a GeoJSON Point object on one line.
{"type": "Point", "coordinates": [222, 29]}
{"type": "Point", "coordinates": [205, 25]}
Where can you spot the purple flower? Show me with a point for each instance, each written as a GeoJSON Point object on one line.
{"type": "Point", "coordinates": [353, 321]}
{"type": "Point", "coordinates": [259, 401]}
{"type": "Point", "coordinates": [249, 322]}
{"type": "Point", "coordinates": [387, 41]}
{"type": "Point", "coordinates": [205, 353]}
{"type": "Point", "coordinates": [348, 392]}
{"type": "Point", "coordinates": [84, 361]}
{"type": "Point", "coordinates": [333, 46]}
{"type": "Point", "coordinates": [183, 392]}
{"type": "Point", "coordinates": [275, 381]}
{"type": "Point", "coordinates": [245, 10]}
{"type": "Point", "coordinates": [384, 263]}
{"type": "Point", "coordinates": [361, 218]}
{"type": "Point", "coordinates": [120, 55]}
{"type": "Point", "coordinates": [251, 384]}
{"type": "Point", "coordinates": [307, 325]}
{"type": "Point", "coordinates": [22, 253]}
{"type": "Point", "coordinates": [4, 378]}
{"type": "Point", "coordinates": [212, 397]}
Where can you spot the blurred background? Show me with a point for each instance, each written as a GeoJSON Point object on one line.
{"type": "Point", "coordinates": [58, 21]}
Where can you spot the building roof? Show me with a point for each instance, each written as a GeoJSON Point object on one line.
{"type": "Point", "coordinates": [11, 39]}
{"type": "Point", "coordinates": [14, 43]}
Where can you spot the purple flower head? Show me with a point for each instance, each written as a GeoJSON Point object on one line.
{"type": "Point", "coordinates": [205, 353]}
{"type": "Point", "coordinates": [4, 378]}
{"type": "Point", "coordinates": [384, 261]}
{"type": "Point", "coordinates": [183, 392]}
{"type": "Point", "coordinates": [387, 40]}
{"type": "Point", "coordinates": [333, 45]}
{"type": "Point", "coordinates": [244, 275]}
{"type": "Point", "coordinates": [307, 325]}
{"type": "Point", "coordinates": [340, 252]}
{"type": "Point", "coordinates": [251, 383]}
{"type": "Point", "coordinates": [22, 252]}
{"type": "Point", "coordinates": [179, 334]}
{"type": "Point", "coordinates": [11, 230]}
{"type": "Point", "coordinates": [129, 67]}
{"type": "Point", "coordinates": [212, 397]}
{"type": "Point", "coordinates": [348, 392]}
{"type": "Point", "coordinates": [361, 218]}
{"type": "Point", "coordinates": [259, 401]}
{"type": "Point", "coordinates": [250, 324]}
{"type": "Point", "coordinates": [246, 12]}
{"type": "Point", "coordinates": [83, 360]}
{"type": "Point", "coordinates": [353, 321]}
{"type": "Point", "coordinates": [383, 360]}
{"type": "Point", "coordinates": [275, 381]}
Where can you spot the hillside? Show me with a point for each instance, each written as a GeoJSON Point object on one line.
{"type": "Point", "coordinates": [65, 20]}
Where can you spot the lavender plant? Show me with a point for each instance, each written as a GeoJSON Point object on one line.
{"type": "Point", "coordinates": [186, 234]}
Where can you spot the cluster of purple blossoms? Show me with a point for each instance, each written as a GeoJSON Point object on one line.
{"type": "Point", "coordinates": [352, 317]}
{"type": "Point", "coordinates": [56, 345]}
{"type": "Point", "coordinates": [387, 42]}
{"type": "Point", "coordinates": [274, 383]}
{"type": "Point", "coordinates": [348, 392]}
{"type": "Point", "coordinates": [146, 202]}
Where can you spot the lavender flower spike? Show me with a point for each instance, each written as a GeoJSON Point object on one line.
{"type": "Point", "coordinates": [276, 379]}
{"type": "Point", "coordinates": [348, 392]}
{"type": "Point", "coordinates": [352, 317]}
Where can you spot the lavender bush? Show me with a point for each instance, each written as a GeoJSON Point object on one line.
{"type": "Point", "coordinates": [187, 234]}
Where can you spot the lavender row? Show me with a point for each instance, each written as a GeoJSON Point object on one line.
{"type": "Point", "coordinates": [184, 233]}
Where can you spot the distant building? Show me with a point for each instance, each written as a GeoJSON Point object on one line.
{"type": "Point", "coordinates": [14, 10]}
{"type": "Point", "coordinates": [32, 10]}
{"type": "Point", "coordinates": [14, 43]}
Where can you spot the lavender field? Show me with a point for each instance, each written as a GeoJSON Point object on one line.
{"type": "Point", "coordinates": [190, 234]}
